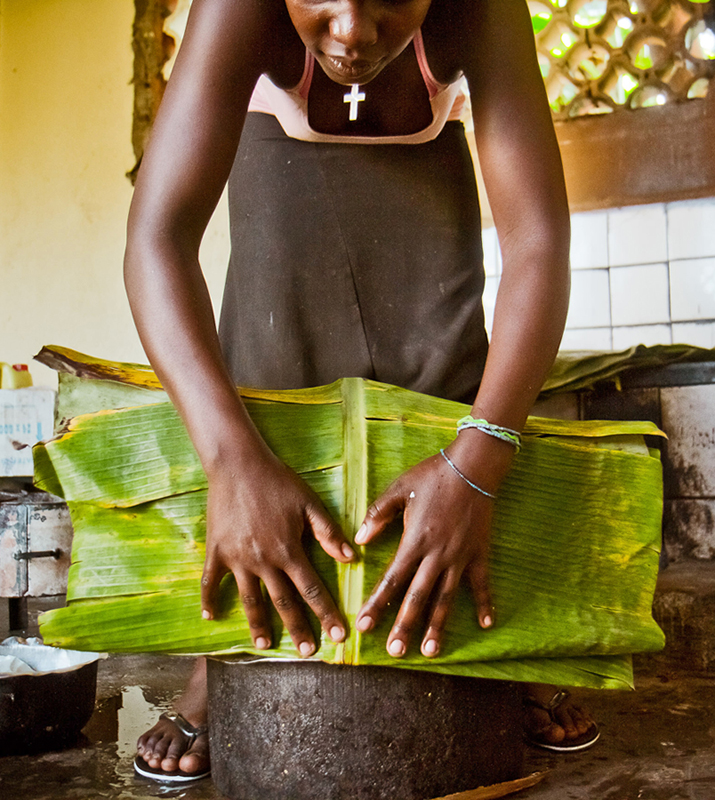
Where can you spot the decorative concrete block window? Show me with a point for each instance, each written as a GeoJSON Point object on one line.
{"type": "Point", "coordinates": [598, 56]}
{"type": "Point", "coordinates": [603, 60]}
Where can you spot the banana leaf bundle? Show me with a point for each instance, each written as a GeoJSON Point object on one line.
{"type": "Point", "coordinates": [574, 557]}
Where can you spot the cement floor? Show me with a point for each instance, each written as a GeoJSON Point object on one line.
{"type": "Point", "coordinates": [657, 743]}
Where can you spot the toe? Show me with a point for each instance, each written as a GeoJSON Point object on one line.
{"type": "Point", "coordinates": [583, 718]}
{"type": "Point", "coordinates": [566, 721]}
{"type": "Point", "coordinates": [540, 726]}
{"type": "Point", "coordinates": [196, 758]}
{"type": "Point", "coordinates": [162, 746]}
{"type": "Point", "coordinates": [574, 720]}
{"type": "Point", "coordinates": [154, 750]}
{"type": "Point", "coordinates": [170, 762]}
{"type": "Point", "coordinates": [553, 733]}
{"type": "Point", "coordinates": [147, 742]}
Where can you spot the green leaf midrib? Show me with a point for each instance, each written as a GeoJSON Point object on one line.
{"type": "Point", "coordinates": [355, 460]}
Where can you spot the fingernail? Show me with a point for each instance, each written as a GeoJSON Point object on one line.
{"type": "Point", "coordinates": [337, 633]}
{"type": "Point", "coordinates": [361, 535]}
{"type": "Point", "coordinates": [365, 623]}
{"type": "Point", "coordinates": [262, 643]}
{"type": "Point", "coordinates": [348, 552]}
{"type": "Point", "coordinates": [306, 648]}
{"type": "Point", "coordinates": [430, 647]}
{"type": "Point", "coordinates": [206, 614]}
{"type": "Point", "coordinates": [487, 622]}
{"type": "Point", "coordinates": [396, 648]}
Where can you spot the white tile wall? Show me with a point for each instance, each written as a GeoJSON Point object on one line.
{"type": "Point", "coordinates": [590, 299]}
{"type": "Point", "coordinates": [490, 245]}
{"type": "Point", "coordinates": [701, 334]}
{"type": "Point", "coordinates": [589, 240]}
{"type": "Point", "coordinates": [637, 235]}
{"type": "Point", "coordinates": [692, 289]}
{"type": "Point", "coordinates": [641, 334]}
{"type": "Point", "coordinates": [489, 300]}
{"type": "Point", "coordinates": [640, 275]}
{"type": "Point", "coordinates": [640, 295]}
{"type": "Point", "coordinates": [586, 339]}
{"type": "Point", "coordinates": [691, 229]}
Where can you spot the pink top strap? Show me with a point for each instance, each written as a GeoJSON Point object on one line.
{"type": "Point", "coordinates": [290, 106]}
{"type": "Point", "coordinates": [432, 85]}
{"type": "Point", "coordinates": [303, 86]}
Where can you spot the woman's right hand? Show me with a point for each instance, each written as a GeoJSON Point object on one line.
{"type": "Point", "coordinates": [256, 520]}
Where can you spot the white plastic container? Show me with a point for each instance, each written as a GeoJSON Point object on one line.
{"type": "Point", "coordinates": [26, 417]}
{"type": "Point", "coordinates": [14, 376]}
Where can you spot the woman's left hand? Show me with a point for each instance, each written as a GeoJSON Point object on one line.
{"type": "Point", "coordinates": [447, 526]}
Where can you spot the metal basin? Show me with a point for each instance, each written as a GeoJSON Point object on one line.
{"type": "Point", "coordinates": [47, 710]}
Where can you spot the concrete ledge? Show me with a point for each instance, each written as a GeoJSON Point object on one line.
{"type": "Point", "coordinates": [684, 607]}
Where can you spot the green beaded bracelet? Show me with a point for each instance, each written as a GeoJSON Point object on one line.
{"type": "Point", "coordinates": [497, 431]}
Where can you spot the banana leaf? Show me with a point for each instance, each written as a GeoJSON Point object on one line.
{"type": "Point", "coordinates": [574, 370]}
{"type": "Point", "coordinates": [575, 545]}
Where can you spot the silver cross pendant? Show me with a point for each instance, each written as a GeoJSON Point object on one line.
{"type": "Point", "coordinates": [355, 97]}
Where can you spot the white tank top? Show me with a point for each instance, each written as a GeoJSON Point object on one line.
{"type": "Point", "coordinates": [290, 106]}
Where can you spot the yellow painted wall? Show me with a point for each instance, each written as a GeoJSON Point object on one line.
{"type": "Point", "coordinates": [65, 128]}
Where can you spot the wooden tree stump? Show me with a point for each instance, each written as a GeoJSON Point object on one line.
{"type": "Point", "coordinates": [313, 731]}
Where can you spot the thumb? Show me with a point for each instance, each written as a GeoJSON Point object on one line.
{"type": "Point", "coordinates": [381, 513]}
{"type": "Point", "coordinates": [329, 533]}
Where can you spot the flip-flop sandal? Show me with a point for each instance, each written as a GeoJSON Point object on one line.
{"type": "Point", "coordinates": [177, 776]}
{"type": "Point", "coordinates": [582, 742]}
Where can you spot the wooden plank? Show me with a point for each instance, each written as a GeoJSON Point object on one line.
{"type": "Point", "coordinates": [498, 789]}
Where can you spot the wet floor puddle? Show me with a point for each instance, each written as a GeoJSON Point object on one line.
{"type": "Point", "coordinates": [99, 765]}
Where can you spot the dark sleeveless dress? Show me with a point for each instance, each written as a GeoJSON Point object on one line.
{"type": "Point", "coordinates": [354, 260]}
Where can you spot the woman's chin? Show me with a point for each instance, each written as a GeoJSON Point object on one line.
{"type": "Point", "coordinates": [347, 74]}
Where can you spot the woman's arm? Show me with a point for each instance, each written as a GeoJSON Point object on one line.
{"type": "Point", "coordinates": [521, 164]}
{"type": "Point", "coordinates": [257, 508]}
{"type": "Point", "coordinates": [447, 522]}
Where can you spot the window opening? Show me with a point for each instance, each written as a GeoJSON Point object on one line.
{"type": "Point", "coordinates": [600, 56]}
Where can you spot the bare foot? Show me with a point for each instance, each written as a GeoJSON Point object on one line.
{"type": "Point", "coordinates": [165, 747]}
{"type": "Point", "coordinates": [566, 724]}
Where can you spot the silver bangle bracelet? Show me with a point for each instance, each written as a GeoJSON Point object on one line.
{"type": "Point", "coordinates": [465, 478]}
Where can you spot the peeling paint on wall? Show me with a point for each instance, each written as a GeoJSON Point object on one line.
{"type": "Point", "coordinates": [152, 49]}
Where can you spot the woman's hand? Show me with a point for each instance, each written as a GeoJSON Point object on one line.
{"type": "Point", "coordinates": [256, 521]}
{"type": "Point", "coordinates": [447, 526]}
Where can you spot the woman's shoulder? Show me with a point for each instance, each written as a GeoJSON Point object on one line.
{"type": "Point", "coordinates": [462, 35]}
{"type": "Point", "coordinates": [448, 32]}
{"type": "Point", "coordinates": [247, 33]}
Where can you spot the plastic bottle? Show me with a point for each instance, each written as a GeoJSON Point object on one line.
{"type": "Point", "coordinates": [15, 376]}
